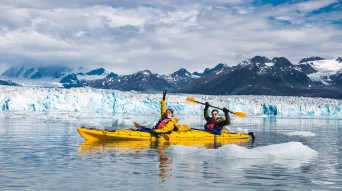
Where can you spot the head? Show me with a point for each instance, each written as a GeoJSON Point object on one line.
{"type": "Point", "coordinates": [169, 113]}
{"type": "Point", "coordinates": [214, 113]}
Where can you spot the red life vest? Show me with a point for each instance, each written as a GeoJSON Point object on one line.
{"type": "Point", "coordinates": [212, 124]}
{"type": "Point", "coordinates": [162, 123]}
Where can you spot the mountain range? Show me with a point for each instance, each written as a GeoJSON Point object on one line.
{"type": "Point", "coordinates": [313, 76]}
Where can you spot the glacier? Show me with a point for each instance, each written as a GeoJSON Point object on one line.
{"type": "Point", "coordinates": [31, 99]}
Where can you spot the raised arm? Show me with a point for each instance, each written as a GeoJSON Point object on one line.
{"type": "Point", "coordinates": [225, 121]}
{"type": "Point", "coordinates": [163, 106]}
{"type": "Point", "coordinates": [206, 115]}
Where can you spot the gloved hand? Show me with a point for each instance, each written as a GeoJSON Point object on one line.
{"type": "Point", "coordinates": [155, 134]}
{"type": "Point", "coordinates": [225, 110]}
{"type": "Point", "coordinates": [164, 95]}
{"type": "Point", "coordinates": [206, 104]}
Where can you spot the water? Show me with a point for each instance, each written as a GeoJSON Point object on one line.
{"type": "Point", "coordinates": [45, 152]}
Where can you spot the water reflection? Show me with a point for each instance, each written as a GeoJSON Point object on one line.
{"type": "Point", "coordinates": [144, 149]}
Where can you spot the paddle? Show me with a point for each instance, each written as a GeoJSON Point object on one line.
{"type": "Point", "coordinates": [239, 114]}
{"type": "Point", "coordinates": [166, 137]}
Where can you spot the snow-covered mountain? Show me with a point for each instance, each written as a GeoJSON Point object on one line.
{"type": "Point", "coordinates": [145, 81]}
{"type": "Point", "coordinates": [140, 81]}
{"type": "Point", "coordinates": [262, 76]}
{"type": "Point", "coordinates": [36, 72]}
{"type": "Point", "coordinates": [8, 83]}
{"type": "Point", "coordinates": [40, 76]}
{"type": "Point", "coordinates": [321, 70]}
{"type": "Point", "coordinates": [28, 99]}
{"type": "Point", "coordinates": [99, 78]}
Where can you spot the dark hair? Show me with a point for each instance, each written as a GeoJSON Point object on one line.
{"type": "Point", "coordinates": [170, 111]}
{"type": "Point", "coordinates": [214, 110]}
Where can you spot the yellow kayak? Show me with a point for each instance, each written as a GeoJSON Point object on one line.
{"type": "Point", "coordinates": [126, 135]}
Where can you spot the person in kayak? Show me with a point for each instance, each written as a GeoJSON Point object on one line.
{"type": "Point", "coordinates": [167, 122]}
{"type": "Point", "coordinates": [215, 123]}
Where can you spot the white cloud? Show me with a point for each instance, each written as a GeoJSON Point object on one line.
{"type": "Point", "coordinates": [314, 5]}
{"type": "Point", "coordinates": [162, 37]}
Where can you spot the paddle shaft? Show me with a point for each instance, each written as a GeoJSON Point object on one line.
{"type": "Point", "coordinates": [213, 106]}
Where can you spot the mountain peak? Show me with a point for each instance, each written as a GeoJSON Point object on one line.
{"type": "Point", "coordinates": [309, 59]}
{"type": "Point", "coordinates": [218, 66]}
{"type": "Point", "coordinates": [181, 72]}
{"type": "Point", "coordinates": [145, 72]}
{"type": "Point", "coordinates": [339, 59]}
{"type": "Point", "coordinates": [282, 62]}
{"type": "Point", "coordinates": [255, 61]}
{"type": "Point", "coordinates": [209, 70]}
{"type": "Point", "coordinates": [260, 59]}
{"type": "Point", "coordinates": [98, 71]}
{"type": "Point", "coordinates": [111, 75]}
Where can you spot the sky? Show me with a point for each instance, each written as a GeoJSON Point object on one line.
{"type": "Point", "coordinates": [127, 36]}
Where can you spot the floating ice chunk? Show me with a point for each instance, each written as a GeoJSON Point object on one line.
{"type": "Point", "coordinates": [123, 123]}
{"type": "Point", "coordinates": [242, 131]}
{"type": "Point", "coordinates": [226, 128]}
{"type": "Point", "coordinates": [301, 133]}
{"type": "Point", "coordinates": [89, 123]}
{"type": "Point", "coordinates": [290, 150]}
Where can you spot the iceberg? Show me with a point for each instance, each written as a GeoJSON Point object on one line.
{"type": "Point", "coordinates": [232, 156]}
{"type": "Point", "coordinates": [30, 99]}
{"type": "Point", "coordinates": [289, 150]}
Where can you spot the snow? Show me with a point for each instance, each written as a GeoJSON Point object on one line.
{"type": "Point", "coordinates": [287, 151]}
{"type": "Point", "coordinates": [324, 68]}
{"type": "Point", "coordinates": [269, 64]}
{"type": "Point", "coordinates": [28, 99]}
{"type": "Point", "coordinates": [220, 71]}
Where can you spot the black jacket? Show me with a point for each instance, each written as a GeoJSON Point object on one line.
{"type": "Point", "coordinates": [220, 121]}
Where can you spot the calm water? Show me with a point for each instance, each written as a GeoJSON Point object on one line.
{"type": "Point", "coordinates": [44, 154]}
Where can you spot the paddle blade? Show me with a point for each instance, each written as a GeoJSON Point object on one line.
{"type": "Point", "coordinates": [166, 137]}
{"type": "Point", "coordinates": [136, 125]}
{"type": "Point", "coordinates": [190, 99]}
{"type": "Point", "coordinates": [239, 114]}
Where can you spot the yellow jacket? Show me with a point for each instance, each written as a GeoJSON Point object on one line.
{"type": "Point", "coordinates": [170, 125]}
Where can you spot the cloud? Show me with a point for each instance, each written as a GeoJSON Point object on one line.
{"type": "Point", "coordinates": [309, 6]}
{"type": "Point", "coordinates": [163, 36]}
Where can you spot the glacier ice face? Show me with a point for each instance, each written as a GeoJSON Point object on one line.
{"type": "Point", "coordinates": [27, 99]}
